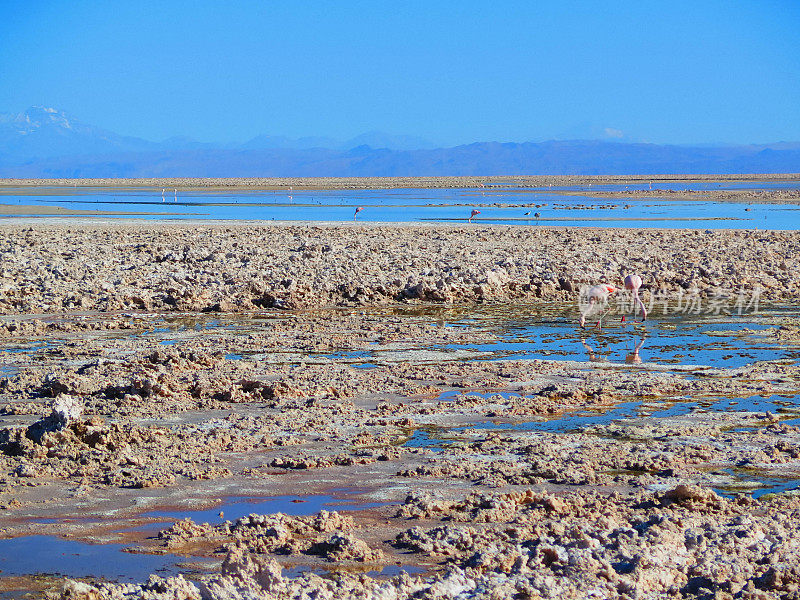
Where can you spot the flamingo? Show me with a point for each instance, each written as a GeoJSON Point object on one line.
{"type": "Point", "coordinates": [596, 296]}
{"type": "Point", "coordinates": [632, 283]}
{"type": "Point", "coordinates": [358, 210]}
{"type": "Point", "coordinates": [474, 212]}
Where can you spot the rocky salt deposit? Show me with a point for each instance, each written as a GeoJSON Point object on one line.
{"type": "Point", "coordinates": [244, 267]}
{"type": "Point", "coordinates": [176, 366]}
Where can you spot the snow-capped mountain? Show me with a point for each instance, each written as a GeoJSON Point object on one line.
{"type": "Point", "coordinates": [47, 132]}
{"type": "Point", "coordinates": [42, 132]}
{"type": "Point", "coordinates": [45, 142]}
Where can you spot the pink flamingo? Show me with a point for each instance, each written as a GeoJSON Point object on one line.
{"type": "Point", "coordinates": [474, 212]}
{"type": "Point", "coordinates": [632, 283]}
{"type": "Point", "coordinates": [358, 210]}
{"type": "Point", "coordinates": [596, 296]}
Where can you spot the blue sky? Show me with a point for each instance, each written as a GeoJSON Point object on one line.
{"type": "Point", "coordinates": [451, 72]}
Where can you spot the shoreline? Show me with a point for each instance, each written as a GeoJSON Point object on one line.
{"type": "Point", "coordinates": [335, 183]}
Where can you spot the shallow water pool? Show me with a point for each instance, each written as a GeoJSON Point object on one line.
{"type": "Point", "coordinates": [672, 339]}
{"type": "Point", "coordinates": [509, 205]}
{"type": "Point", "coordinates": [52, 555]}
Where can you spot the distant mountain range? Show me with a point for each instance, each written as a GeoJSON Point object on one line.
{"type": "Point", "coordinates": [46, 143]}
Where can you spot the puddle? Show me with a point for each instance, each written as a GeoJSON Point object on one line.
{"type": "Point", "coordinates": [569, 422]}
{"type": "Point", "coordinates": [236, 507]}
{"type": "Point", "coordinates": [28, 349]}
{"type": "Point", "coordinates": [353, 358]}
{"type": "Point", "coordinates": [345, 355]}
{"type": "Point", "coordinates": [574, 421]}
{"type": "Point", "coordinates": [51, 555]}
{"type": "Point", "coordinates": [435, 438]}
{"type": "Point", "coordinates": [774, 404]}
{"type": "Point", "coordinates": [429, 438]}
{"type": "Point", "coordinates": [675, 339]}
{"type": "Point", "coordinates": [756, 485]}
{"type": "Point", "coordinates": [747, 481]}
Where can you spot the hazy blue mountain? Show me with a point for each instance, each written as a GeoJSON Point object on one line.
{"type": "Point", "coordinates": [270, 142]}
{"type": "Point", "coordinates": [44, 142]}
{"type": "Point", "coordinates": [46, 132]}
{"type": "Point", "coordinates": [374, 139]}
{"type": "Point", "coordinates": [378, 139]}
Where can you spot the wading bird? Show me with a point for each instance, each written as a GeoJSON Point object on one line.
{"type": "Point", "coordinates": [358, 210]}
{"type": "Point", "coordinates": [632, 283]}
{"type": "Point", "coordinates": [474, 212]}
{"type": "Point", "coordinates": [163, 191]}
{"type": "Point", "coordinates": [595, 300]}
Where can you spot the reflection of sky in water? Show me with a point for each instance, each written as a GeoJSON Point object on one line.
{"type": "Point", "coordinates": [547, 331]}
{"type": "Point", "coordinates": [234, 508]}
{"type": "Point", "coordinates": [402, 205]}
{"type": "Point", "coordinates": [437, 439]}
{"type": "Point", "coordinates": [576, 420]}
{"type": "Point", "coordinates": [44, 554]}
{"type": "Point", "coordinates": [673, 338]}
{"type": "Point", "coordinates": [40, 554]}
{"type": "Point", "coordinates": [670, 339]}
{"type": "Point", "coordinates": [766, 485]}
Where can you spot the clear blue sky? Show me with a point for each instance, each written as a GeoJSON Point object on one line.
{"type": "Point", "coordinates": [452, 72]}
